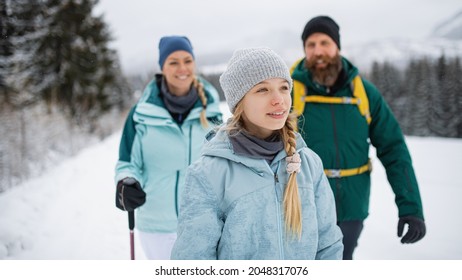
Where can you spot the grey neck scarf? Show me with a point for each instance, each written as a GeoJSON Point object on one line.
{"type": "Point", "coordinates": [247, 145]}
{"type": "Point", "coordinates": [178, 104]}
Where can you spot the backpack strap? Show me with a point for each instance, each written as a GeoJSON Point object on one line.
{"type": "Point", "coordinates": [299, 92]}
{"type": "Point", "coordinates": [359, 96]}
{"type": "Point", "coordinates": [332, 99]}
{"type": "Point", "coordinates": [360, 93]}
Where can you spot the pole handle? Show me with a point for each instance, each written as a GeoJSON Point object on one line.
{"type": "Point", "coordinates": [131, 220]}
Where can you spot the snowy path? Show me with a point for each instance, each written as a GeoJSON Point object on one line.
{"type": "Point", "coordinates": [69, 213]}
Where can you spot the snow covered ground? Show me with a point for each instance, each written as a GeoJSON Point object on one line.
{"type": "Point", "coordinates": [68, 213]}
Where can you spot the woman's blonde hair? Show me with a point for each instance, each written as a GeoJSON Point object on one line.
{"type": "Point", "coordinates": [200, 91]}
{"type": "Point", "coordinates": [292, 204]}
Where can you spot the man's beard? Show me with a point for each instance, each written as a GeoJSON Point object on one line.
{"type": "Point", "coordinates": [328, 75]}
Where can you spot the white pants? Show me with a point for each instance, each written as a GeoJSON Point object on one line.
{"type": "Point", "coordinates": [157, 246]}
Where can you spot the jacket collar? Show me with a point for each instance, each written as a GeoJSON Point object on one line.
{"type": "Point", "coordinates": [218, 145]}
{"type": "Point", "coordinates": [151, 105]}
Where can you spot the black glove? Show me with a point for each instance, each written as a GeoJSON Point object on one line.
{"type": "Point", "coordinates": [416, 229]}
{"type": "Point", "coordinates": [129, 194]}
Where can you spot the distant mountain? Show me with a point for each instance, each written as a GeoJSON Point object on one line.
{"type": "Point", "coordinates": [397, 51]}
{"type": "Point", "coordinates": [445, 39]}
{"type": "Point", "coordinates": [285, 42]}
{"type": "Point", "coordinates": [400, 51]}
{"type": "Point", "coordinates": [450, 29]}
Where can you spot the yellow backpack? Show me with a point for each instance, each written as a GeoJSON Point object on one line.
{"type": "Point", "coordinates": [359, 97]}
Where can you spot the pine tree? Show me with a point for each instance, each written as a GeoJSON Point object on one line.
{"type": "Point", "coordinates": [80, 69]}
{"type": "Point", "coordinates": [443, 110]}
{"type": "Point", "coordinates": [21, 78]}
{"type": "Point", "coordinates": [111, 86]}
{"type": "Point", "coordinates": [407, 100]}
{"type": "Point", "coordinates": [55, 51]}
{"type": "Point", "coordinates": [420, 80]}
{"type": "Point", "coordinates": [456, 69]}
{"type": "Point", "coordinates": [25, 75]}
{"type": "Point", "coordinates": [388, 80]}
{"type": "Point", "coordinates": [6, 47]}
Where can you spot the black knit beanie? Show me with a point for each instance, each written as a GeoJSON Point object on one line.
{"type": "Point", "coordinates": [322, 24]}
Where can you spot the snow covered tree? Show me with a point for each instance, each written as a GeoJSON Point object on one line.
{"type": "Point", "coordinates": [24, 77]}
{"type": "Point", "coordinates": [6, 47]}
{"type": "Point", "coordinates": [54, 51]}
{"type": "Point", "coordinates": [76, 67]}
{"type": "Point", "coordinates": [388, 80]}
{"type": "Point", "coordinates": [456, 73]}
{"type": "Point", "coordinates": [443, 112]}
{"type": "Point", "coordinates": [419, 81]}
{"type": "Point", "coordinates": [428, 100]}
{"type": "Point", "coordinates": [20, 31]}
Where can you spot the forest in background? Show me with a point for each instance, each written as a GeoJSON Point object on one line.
{"type": "Point", "coordinates": [61, 86]}
{"type": "Point", "coordinates": [425, 96]}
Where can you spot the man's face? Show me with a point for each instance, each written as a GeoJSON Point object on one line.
{"type": "Point", "coordinates": [322, 58]}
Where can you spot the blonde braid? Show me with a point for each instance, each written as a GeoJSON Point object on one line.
{"type": "Point", "coordinates": [200, 90]}
{"type": "Point", "coordinates": [292, 204]}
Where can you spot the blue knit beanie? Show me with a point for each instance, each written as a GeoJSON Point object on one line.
{"type": "Point", "coordinates": [169, 44]}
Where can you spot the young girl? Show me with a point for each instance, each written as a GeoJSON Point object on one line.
{"type": "Point", "coordinates": [257, 192]}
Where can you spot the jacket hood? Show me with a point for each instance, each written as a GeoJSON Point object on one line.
{"type": "Point", "coordinates": [218, 145]}
{"type": "Point", "coordinates": [151, 105]}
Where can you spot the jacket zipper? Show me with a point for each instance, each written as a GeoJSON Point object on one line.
{"type": "Point", "coordinates": [176, 192]}
{"type": "Point", "coordinates": [278, 214]}
{"type": "Point", "coordinates": [190, 144]}
{"type": "Point", "coordinates": [178, 172]}
{"type": "Point", "coordinates": [337, 162]}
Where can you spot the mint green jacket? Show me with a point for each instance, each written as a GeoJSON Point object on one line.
{"type": "Point", "coordinates": [156, 151]}
{"type": "Point", "coordinates": [232, 208]}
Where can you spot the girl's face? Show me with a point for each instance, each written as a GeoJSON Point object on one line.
{"type": "Point", "coordinates": [179, 70]}
{"type": "Point", "coordinates": [266, 107]}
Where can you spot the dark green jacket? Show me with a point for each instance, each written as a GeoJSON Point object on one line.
{"type": "Point", "coordinates": [340, 135]}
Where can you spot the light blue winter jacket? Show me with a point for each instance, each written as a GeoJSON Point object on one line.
{"type": "Point", "coordinates": [156, 151]}
{"type": "Point", "coordinates": [232, 208]}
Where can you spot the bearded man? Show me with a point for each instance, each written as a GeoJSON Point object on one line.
{"type": "Point", "coordinates": [340, 115]}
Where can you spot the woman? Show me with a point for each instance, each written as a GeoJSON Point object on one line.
{"type": "Point", "coordinates": [163, 134]}
{"type": "Point", "coordinates": [267, 196]}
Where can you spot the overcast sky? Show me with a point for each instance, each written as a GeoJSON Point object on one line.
{"type": "Point", "coordinates": [213, 25]}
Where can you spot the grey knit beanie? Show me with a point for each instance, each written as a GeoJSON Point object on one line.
{"type": "Point", "coordinates": [248, 67]}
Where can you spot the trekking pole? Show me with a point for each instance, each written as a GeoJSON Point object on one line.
{"type": "Point", "coordinates": [131, 226]}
